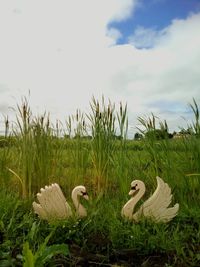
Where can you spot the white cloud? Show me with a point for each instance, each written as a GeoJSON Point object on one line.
{"type": "Point", "coordinates": [145, 38]}
{"type": "Point", "coordinates": [63, 53]}
{"type": "Point", "coordinates": [56, 48]}
{"type": "Point", "coordinates": [114, 34]}
{"type": "Point", "coordinates": [169, 71]}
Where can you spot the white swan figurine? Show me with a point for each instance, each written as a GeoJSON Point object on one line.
{"type": "Point", "coordinates": [53, 205]}
{"type": "Point", "coordinates": [155, 208]}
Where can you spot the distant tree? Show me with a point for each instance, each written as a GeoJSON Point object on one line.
{"type": "Point", "coordinates": [117, 137]}
{"type": "Point", "coordinates": [87, 137]}
{"type": "Point", "coordinates": [138, 136]}
{"type": "Point", "coordinates": [187, 131]}
{"type": "Point", "coordinates": [157, 134]}
{"type": "Point", "coordinates": [150, 129]}
{"type": "Point", "coordinates": [67, 136]}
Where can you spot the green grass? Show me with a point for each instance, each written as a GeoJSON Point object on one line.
{"type": "Point", "coordinates": [35, 155]}
{"type": "Point", "coordinates": [103, 232]}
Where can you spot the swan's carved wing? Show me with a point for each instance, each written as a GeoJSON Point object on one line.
{"type": "Point", "coordinates": [52, 204]}
{"type": "Point", "coordinates": [156, 207]}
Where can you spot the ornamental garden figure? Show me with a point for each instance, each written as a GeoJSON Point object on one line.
{"type": "Point", "coordinates": [53, 205]}
{"type": "Point", "coordinates": [156, 207]}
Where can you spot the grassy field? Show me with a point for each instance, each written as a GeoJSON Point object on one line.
{"type": "Point", "coordinates": [33, 154]}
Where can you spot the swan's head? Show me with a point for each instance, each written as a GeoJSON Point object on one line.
{"type": "Point", "coordinates": [136, 186]}
{"type": "Point", "coordinates": [81, 191]}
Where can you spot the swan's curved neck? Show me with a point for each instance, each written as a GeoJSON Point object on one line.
{"type": "Point", "coordinates": [129, 207]}
{"type": "Point", "coordinates": [138, 196]}
{"type": "Point", "coordinates": [81, 211]}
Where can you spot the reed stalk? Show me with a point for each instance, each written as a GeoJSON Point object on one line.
{"type": "Point", "coordinates": [196, 123]}
{"type": "Point", "coordinates": [25, 147]}
{"type": "Point", "coordinates": [121, 155]}
{"type": "Point", "coordinates": [102, 121]}
{"type": "Point", "coordinates": [155, 142]}
{"type": "Point", "coordinates": [37, 148]}
{"type": "Point", "coordinates": [79, 151]}
{"type": "Point", "coordinates": [5, 155]}
{"type": "Point", "coordinates": [44, 152]}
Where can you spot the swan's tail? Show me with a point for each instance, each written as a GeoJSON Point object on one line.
{"type": "Point", "coordinates": [169, 214]}
{"type": "Point", "coordinates": [39, 211]}
{"type": "Point", "coordinates": [52, 204]}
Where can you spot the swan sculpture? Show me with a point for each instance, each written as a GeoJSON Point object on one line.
{"type": "Point", "coordinates": [53, 205]}
{"type": "Point", "coordinates": [155, 208]}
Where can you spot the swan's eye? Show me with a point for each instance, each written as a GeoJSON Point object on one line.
{"type": "Point", "coordinates": [84, 193]}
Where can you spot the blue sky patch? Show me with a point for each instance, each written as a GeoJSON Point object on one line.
{"type": "Point", "coordinates": [154, 14]}
{"type": "Point", "coordinates": [171, 107]}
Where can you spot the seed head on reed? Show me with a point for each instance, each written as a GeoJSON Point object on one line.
{"type": "Point", "coordinates": [97, 108]}
{"type": "Point", "coordinates": [42, 120]}
{"type": "Point", "coordinates": [121, 109]}
{"type": "Point", "coordinates": [77, 115]}
{"type": "Point", "coordinates": [48, 123]}
{"type": "Point", "coordinates": [6, 123]}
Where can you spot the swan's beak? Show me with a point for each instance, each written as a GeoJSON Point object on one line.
{"type": "Point", "coordinates": [131, 192]}
{"type": "Point", "coordinates": [85, 195]}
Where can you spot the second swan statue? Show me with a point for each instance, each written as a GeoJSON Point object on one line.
{"type": "Point", "coordinates": [53, 205]}
{"type": "Point", "coordinates": [155, 208]}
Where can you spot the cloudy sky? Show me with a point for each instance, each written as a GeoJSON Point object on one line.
{"type": "Point", "coordinates": [145, 53]}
